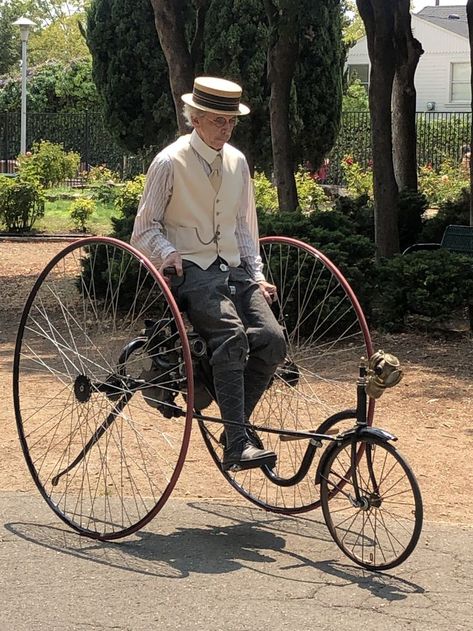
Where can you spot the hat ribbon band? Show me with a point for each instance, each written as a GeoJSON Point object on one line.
{"type": "Point", "coordinates": [216, 102]}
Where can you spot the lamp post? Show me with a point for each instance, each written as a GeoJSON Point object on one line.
{"type": "Point", "coordinates": [25, 26]}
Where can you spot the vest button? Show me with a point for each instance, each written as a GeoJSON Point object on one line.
{"type": "Point", "coordinates": [223, 267]}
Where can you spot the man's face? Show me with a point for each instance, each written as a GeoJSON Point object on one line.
{"type": "Point", "coordinates": [214, 129]}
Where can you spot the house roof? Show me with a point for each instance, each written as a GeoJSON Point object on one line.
{"type": "Point", "coordinates": [442, 16]}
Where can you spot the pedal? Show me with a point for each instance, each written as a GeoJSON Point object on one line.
{"type": "Point", "coordinates": [269, 462]}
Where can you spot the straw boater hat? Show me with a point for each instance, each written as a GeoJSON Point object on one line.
{"type": "Point", "coordinates": [218, 96]}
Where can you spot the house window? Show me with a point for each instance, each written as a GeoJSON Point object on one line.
{"type": "Point", "coordinates": [359, 71]}
{"type": "Point", "coordinates": [460, 87]}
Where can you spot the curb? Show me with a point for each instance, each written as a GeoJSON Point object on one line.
{"type": "Point", "coordinates": [40, 237]}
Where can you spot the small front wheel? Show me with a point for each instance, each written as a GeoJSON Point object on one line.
{"type": "Point", "coordinates": [371, 502]}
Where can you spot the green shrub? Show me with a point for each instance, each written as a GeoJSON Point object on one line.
{"type": "Point", "coordinates": [412, 206]}
{"type": "Point", "coordinates": [126, 202]}
{"type": "Point", "coordinates": [21, 203]}
{"type": "Point", "coordinates": [100, 173]}
{"type": "Point", "coordinates": [358, 180]}
{"type": "Point", "coordinates": [434, 284]}
{"type": "Point", "coordinates": [443, 185]}
{"type": "Point", "coordinates": [81, 210]}
{"type": "Point", "coordinates": [335, 236]}
{"type": "Point", "coordinates": [311, 195]}
{"type": "Point", "coordinates": [455, 212]}
{"type": "Point", "coordinates": [360, 212]}
{"type": "Point", "coordinates": [266, 195]}
{"type": "Point", "coordinates": [49, 164]}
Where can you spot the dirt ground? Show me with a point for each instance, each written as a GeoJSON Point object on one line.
{"type": "Point", "coordinates": [431, 411]}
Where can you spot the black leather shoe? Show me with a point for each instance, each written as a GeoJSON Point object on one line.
{"type": "Point", "coordinates": [247, 456]}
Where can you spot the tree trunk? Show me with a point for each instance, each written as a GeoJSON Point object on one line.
{"type": "Point", "coordinates": [282, 57]}
{"type": "Point", "coordinates": [378, 17]}
{"type": "Point", "coordinates": [170, 26]}
{"type": "Point", "coordinates": [408, 51]}
{"type": "Point", "coordinates": [469, 14]}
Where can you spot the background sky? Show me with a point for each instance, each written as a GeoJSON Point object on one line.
{"type": "Point", "coordinates": [419, 4]}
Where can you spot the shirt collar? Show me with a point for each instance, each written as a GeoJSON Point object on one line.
{"type": "Point", "coordinates": [203, 149]}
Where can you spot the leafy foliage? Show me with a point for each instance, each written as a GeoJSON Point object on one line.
{"type": "Point", "coordinates": [358, 180]}
{"type": "Point", "coordinates": [355, 98]}
{"type": "Point", "coordinates": [127, 205]}
{"type": "Point", "coordinates": [9, 36]}
{"type": "Point", "coordinates": [48, 163]}
{"type": "Point", "coordinates": [430, 283]}
{"type": "Point", "coordinates": [311, 195]}
{"type": "Point", "coordinates": [445, 184]}
{"type": "Point", "coordinates": [450, 212]}
{"type": "Point", "coordinates": [58, 40]}
{"type": "Point", "coordinates": [334, 234]}
{"type": "Point", "coordinates": [53, 87]}
{"type": "Point", "coordinates": [236, 39]}
{"type": "Point", "coordinates": [131, 73]}
{"type": "Point", "coordinates": [21, 203]}
{"type": "Point", "coordinates": [318, 80]}
{"type": "Point", "coordinates": [81, 211]}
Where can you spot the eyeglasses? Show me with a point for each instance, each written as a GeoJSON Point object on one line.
{"type": "Point", "coordinates": [221, 121]}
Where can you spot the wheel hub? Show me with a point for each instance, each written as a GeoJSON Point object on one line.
{"type": "Point", "coordinates": [366, 502]}
{"type": "Point", "coordinates": [82, 388]}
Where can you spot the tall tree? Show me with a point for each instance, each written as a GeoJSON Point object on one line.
{"type": "Point", "coordinates": [182, 58]}
{"type": "Point", "coordinates": [469, 14]}
{"type": "Point", "coordinates": [130, 72]}
{"type": "Point", "coordinates": [282, 57]}
{"type": "Point", "coordinates": [10, 37]}
{"type": "Point", "coordinates": [228, 38]}
{"type": "Point", "coordinates": [318, 81]}
{"type": "Point", "coordinates": [236, 39]}
{"type": "Point", "coordinates": [408, 53]}
{"type": "Point", "coordinates": [379, 20]}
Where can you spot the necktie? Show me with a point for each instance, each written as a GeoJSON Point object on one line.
{"type": "Point", "coordinates": [215, 175]}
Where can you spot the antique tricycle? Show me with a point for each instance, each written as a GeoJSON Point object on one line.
{"type": "Point", "coordinates": [109, 378]}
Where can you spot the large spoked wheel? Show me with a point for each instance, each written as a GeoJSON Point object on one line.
{"type": "Point", "coordinates": [373, 508]}
{"type": "Point", "coordinates": [103, 388]}
{"type": "Point", "coordinates": [326, 335]}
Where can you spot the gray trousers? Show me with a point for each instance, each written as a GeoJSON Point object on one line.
{"type": "Point", "coordinates": [246, 343]}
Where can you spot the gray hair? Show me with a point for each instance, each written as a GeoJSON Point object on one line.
{"type": "Point", "coordinates": [189, 112]}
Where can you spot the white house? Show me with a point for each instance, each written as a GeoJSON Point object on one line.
{"type": "Point", "coordinates": [443, 75]}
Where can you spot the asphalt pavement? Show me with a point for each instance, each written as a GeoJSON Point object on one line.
{"type": "Point", "coordinates": [209, 566]}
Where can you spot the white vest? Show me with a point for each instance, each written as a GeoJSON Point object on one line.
{"type": "Point", "coordinates": [199, 222]}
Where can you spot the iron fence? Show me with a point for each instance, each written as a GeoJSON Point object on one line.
{"type": "Point", "coordinates": [440, 135]}
{"type": "Point", "coordinates": [82, 132]}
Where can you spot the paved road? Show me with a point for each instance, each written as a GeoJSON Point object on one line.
{"type": "Point", "coordinates": [208, 566]}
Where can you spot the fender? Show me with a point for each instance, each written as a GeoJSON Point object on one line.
{"type": "Point", "coordinates": [360, 432]}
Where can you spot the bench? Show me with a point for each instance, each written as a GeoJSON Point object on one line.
{"type": "Point", "coordinates": [457, 239]}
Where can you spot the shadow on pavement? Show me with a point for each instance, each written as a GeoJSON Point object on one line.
{"type": "Point", "coordinates": [254, 540]}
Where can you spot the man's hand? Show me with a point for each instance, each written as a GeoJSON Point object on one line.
{"type": "Point", "coordinates": [270, 292]}
{"type": "Point", "coordinates": [172, 260]}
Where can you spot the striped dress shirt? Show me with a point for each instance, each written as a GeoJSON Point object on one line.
{"type": "Point", "coordinates": [148, 235]}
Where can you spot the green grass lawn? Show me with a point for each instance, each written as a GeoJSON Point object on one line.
{"type": "Point", "coordinates": [57, 218]}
